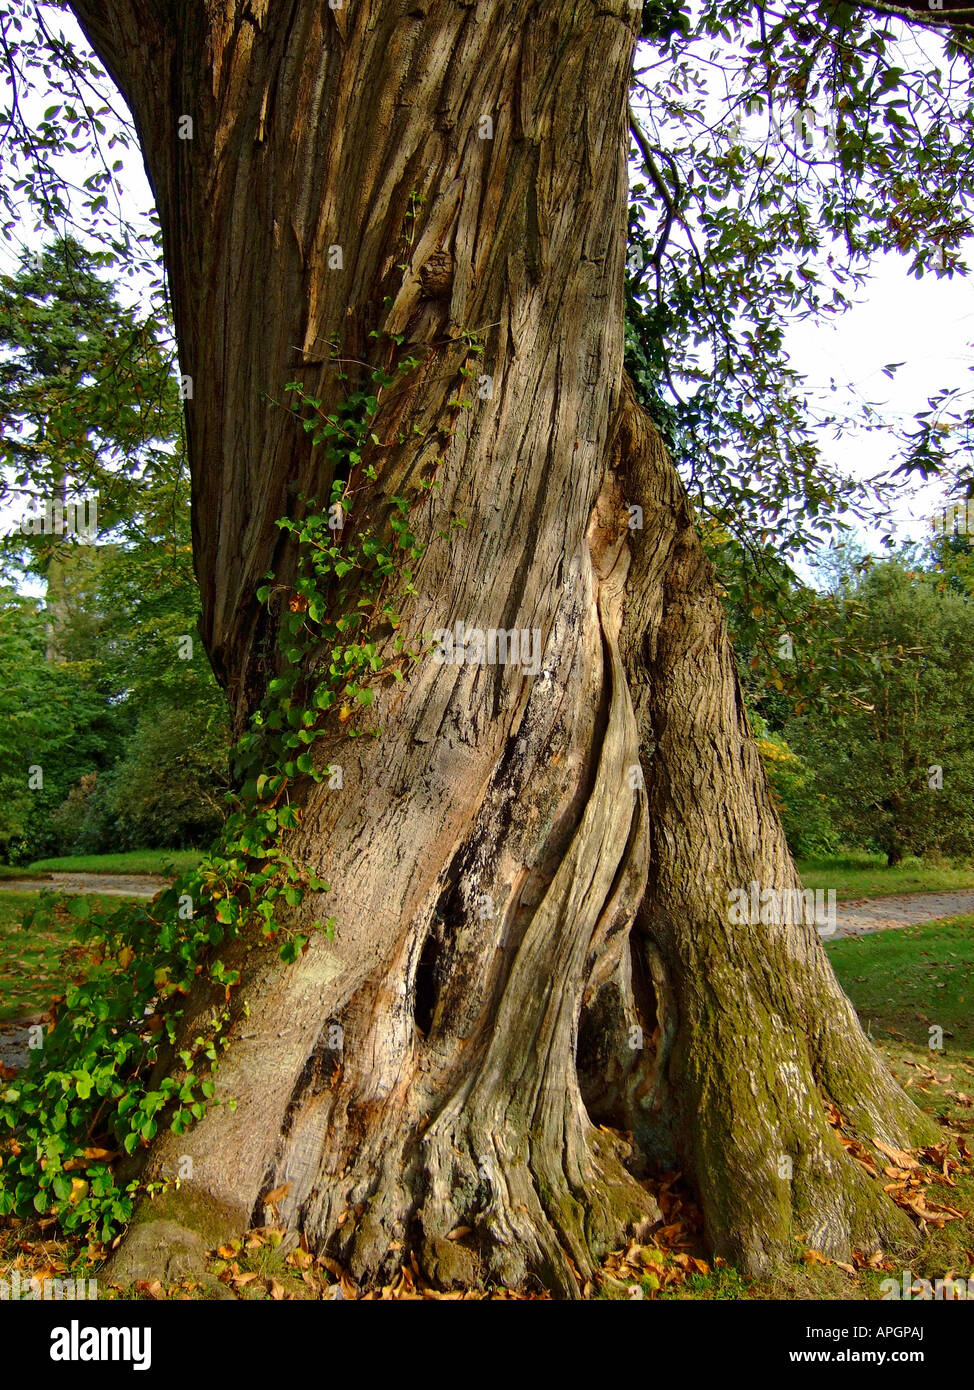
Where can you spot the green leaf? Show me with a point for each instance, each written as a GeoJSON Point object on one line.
{"type": "Point", "coordinates": [62, 1186]}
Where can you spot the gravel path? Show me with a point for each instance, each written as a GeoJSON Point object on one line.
{"type": "Point", "coordinates": [14, 1052]}
{"type": "Point", "coordinates": [865, 915]}
{"type": "Point", "coordinates": [118, 885]}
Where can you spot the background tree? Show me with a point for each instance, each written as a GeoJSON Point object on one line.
{"type": "Point", "coordinates": [56, 728]}
{"type": "Point", "coordinates": [897, 759]}
{"type": "Point", "coordinates": [167, 786]}
{"type": "Point", "coordinates": [89, 406]}
{"type": "Point", "coordinates": [88, 403]}
{"type": "Point", "coordinates": [129, 623]}
{"type": "Point", "coordinates": [805, 810]}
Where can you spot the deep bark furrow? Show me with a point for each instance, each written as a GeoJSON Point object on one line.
{"type": "Point", "coordinates": [763, 1036]}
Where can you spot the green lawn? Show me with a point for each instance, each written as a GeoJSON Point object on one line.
{"type": "Point", "coordinates": [136, 861]}
{"type": "Point", "coordinates": [31, 966]}
{"type": "Point", "coordinates": [904, 980]}
{"type": "Point", "coordinates": [901, 982]}
{"type": "Point", "coordinates": [861, 875]}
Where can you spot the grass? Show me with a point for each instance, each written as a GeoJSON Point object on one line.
{"type": "Point", "coordinates": [904, 981]}
{"type": "Point", "coordinates": [861, 875]}
{"type": "Point", "coordinates": [31, 964]}
{"type": "Point", "coordinates": [135, 861]}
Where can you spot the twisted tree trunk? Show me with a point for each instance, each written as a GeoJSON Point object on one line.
{"type": "Point", "coordinates": [531, 868]}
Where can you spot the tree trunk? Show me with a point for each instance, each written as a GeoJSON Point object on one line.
{"type": "Point", "coordinates": [531, 867]}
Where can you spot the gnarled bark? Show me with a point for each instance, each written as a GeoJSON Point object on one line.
{"type": "Point", "coordinates": [759, 1034]}
{"type": "Point", "coordinates": [530, 871]}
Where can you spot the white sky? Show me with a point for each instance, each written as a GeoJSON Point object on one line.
{"type": "Point", "coordinates": [928, 325]}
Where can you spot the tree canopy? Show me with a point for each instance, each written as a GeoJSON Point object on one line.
{"type": "Point", "coordinates": [776, 154]}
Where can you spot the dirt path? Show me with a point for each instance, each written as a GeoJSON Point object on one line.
{"type": "Point", "coordinates": [118, 885]}
{"type": "Point", "coordinates": [14, 1050]}
{"type": "Point", "coordinates": [864, 915]}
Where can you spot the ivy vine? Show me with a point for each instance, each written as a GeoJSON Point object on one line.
{"type": "Point", "coordinates": [91, 1093]}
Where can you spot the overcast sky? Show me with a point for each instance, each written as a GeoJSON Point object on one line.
{"type": "Point", "coordinates": [928, 325]}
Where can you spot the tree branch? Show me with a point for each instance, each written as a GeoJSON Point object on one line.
{"type": "Point", "coordinates": [124, 33]}
{"type": "Point", "coordinates": [946, 21]}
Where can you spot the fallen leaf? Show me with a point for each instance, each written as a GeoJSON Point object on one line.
{"type": "Point", "coordinates": [900, 1157]}
{"type": "Point", "coordinates": [936, 1153]}
{"type": "Point", "coordinates": [861, 1155]}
